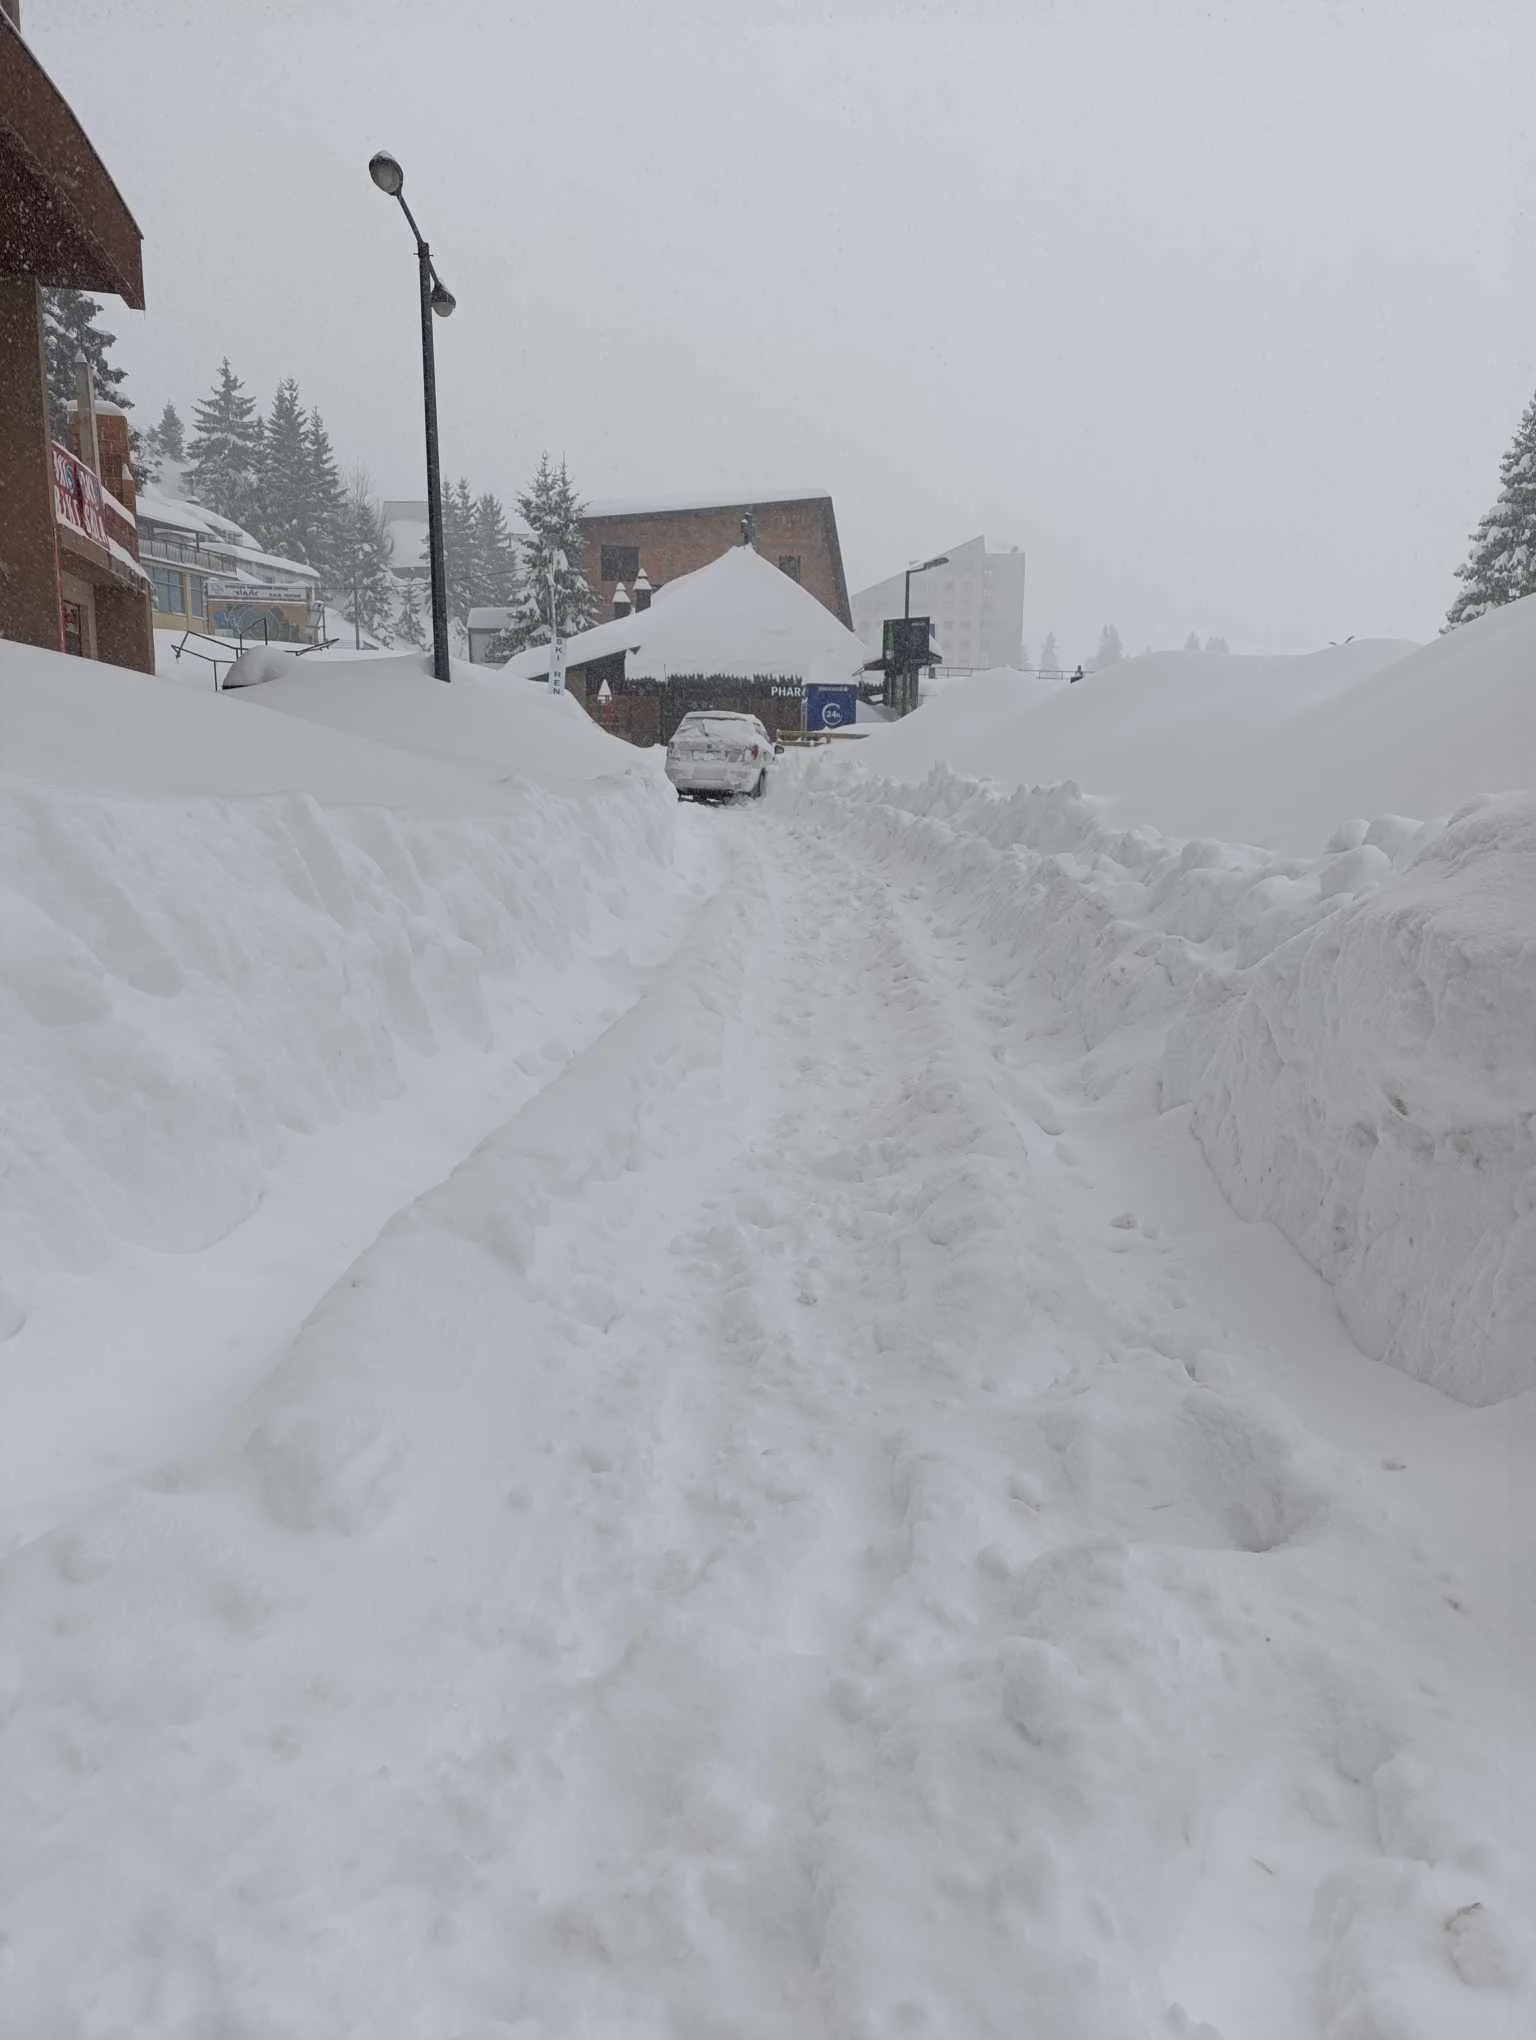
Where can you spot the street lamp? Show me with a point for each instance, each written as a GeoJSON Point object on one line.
{"type": "Point", "coordinates": [437, 300]}
{"type": "Point", "coordinates": [909, 679]}
{"type": "Point", "coordinates": [938, 560]}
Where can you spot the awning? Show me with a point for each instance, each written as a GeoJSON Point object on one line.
{"type": "Point", "coordinates": [62, 219]}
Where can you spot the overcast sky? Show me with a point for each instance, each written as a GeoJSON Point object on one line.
{"type": "Point", "coordinates": [1241, 295]}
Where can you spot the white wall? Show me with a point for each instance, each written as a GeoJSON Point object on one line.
{"type": "Point", "coordinates": [976, 602]}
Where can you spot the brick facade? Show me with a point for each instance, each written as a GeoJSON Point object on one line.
{"type": "Point", "coordinates": [667, 543]}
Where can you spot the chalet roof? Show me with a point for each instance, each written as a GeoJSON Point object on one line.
{"type": "Point", "coordinates": [737, 617]}
{"type": "Point", "coordinates": [716, 499]}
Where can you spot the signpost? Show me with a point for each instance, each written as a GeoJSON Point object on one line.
{"type": "Point", "coordinates": [556, 643]}
{"type": "Point", "coordinates": [831, 708]}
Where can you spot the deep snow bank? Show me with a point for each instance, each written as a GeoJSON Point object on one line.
{"type": "Point", "coordinates": [1352, 1030]}
{"type": "Point", "coordinates": [1371, 1087]}
{"type": "Point", "coordinates": [1181, 740]}
{"type": "Point", "coordinates": [193, 981]}
{"type": "Point", "coordinates": [1275, 751]}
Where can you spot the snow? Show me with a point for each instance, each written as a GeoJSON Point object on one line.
{"type": "Point", "coordinates": [631, 1421]}
{"type": "Point", "coordinates": [231, 931]}
{"type": "Point", "coordinates": [739, 615]}
{"type": "Point", "coordinates": [1197, 743]}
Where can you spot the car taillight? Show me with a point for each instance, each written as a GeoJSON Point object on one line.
{"type": "Point", "coordinates": [757, 751]}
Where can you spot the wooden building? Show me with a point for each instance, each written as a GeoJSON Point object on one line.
{"type": "Point", "coordinates": [736, 634]}
{"type": "Point", "coordinates": [664, 540]}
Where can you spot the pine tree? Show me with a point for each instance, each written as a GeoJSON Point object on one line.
{"type": "Point", "coordinates": [552, 512]}
{"type": "Point", "coordinates": [284, 526]}
{"type": "Point", "coordinates": [363, 580]}
{"type": "Point", "coordinates": [70, 330]}
{"type": "Point", "coordinates": [252, 498]}
{"type": "Point", "coordinates": [223, 454]}
{"type": "Point", "coordinates": [1501, 566]}
{"type": "Point", "coordinates": [1191, 643]}
{"type": "Point", "coordinates": [170, 434]}
{"type": "Point", "coordinates": [146, 456]}
{"type": "Point", "coordinates": [1111, 651]}
{"type": "Point", "coordinates": [458, 544]}
{"type": "Point", "coordinates": [408, 624]}
{"type": "Point", "coordinates": [1050, 658]}
{"type": "Point", "coordinates": [1217, 644]}
{"type": "Point", "coordinates": [494, 576]}
{"type": "Point", "coordinates": [326, 533]}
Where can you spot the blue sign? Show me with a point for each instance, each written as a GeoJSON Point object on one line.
{"type": "Point", "coordinates": [831, 708]}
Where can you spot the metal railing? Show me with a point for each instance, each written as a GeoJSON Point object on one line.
{"type": "Point", "coordinates": [221, 655]}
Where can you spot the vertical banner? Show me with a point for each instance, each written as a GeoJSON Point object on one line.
{"type": "Point", "coordinates": [557, 667]}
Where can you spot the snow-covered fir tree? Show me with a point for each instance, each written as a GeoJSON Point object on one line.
{"type": "Point", "coordinates": [458, 549]}
{"type": "Point", "coordinates": [1110, 651]}
{"type": "Point", "coordinates": [70, 329]}
{"type": "Point", "coordinates": [285, 476]}
{"type": "Point", "coordinates": [409, 628]}
{"type": "Point", "coordinates": [1191, 643]}
{"type": "Point", "coordinates": [1501, 566]}
{"type": "Point", "coordinates": [552, 512]}
{"type": "Point", "coordinates": [494, 576]}
{"type": "Point", "coordinates": [171, 434]}
{"type": "Point", "coordinates": [1217, 644]}
{"type": "Point", "coordinates": [1050, 658]}
{"type": "Point", "coordinates": [363, 582]}
{"type": "Point", "coordinates": [326, 536]}
{"type": "Point", "coordinates": [222, 453]}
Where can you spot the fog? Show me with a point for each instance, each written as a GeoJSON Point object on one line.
{"type": "Point", "coordinates": [1241, 308]}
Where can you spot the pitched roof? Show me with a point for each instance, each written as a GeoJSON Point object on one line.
{"type": "Point", "coordinates": [716, 499]}
{"type": "Point", "coordinates": [738, 616]}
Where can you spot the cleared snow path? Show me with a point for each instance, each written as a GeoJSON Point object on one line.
{"type": "Point", "coordinates": [791, 1538]}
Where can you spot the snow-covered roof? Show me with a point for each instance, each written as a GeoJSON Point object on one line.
{"type": "Point", "coordinates": [712, 499]}
{"type": "Point", "coordinates": [738, 616]}
{"type": "Point", "coordinates": [251, 556]}
{"type": "Point", "coordinates": [183, 515]}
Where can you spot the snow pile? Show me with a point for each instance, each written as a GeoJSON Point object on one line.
{"type": "Point", "coordinates": [482, 722]}
{"type": "Point", "coordinates": [1352, 1030]}
{"type": "Point", "coordinates": [1371, 1087]}
{"type": "Point", "coordinates": [197, 981]}
{"type": "Point", "coordinates": [1269, 750]}
{"type": "Point", "coordinates": [820, 1526]}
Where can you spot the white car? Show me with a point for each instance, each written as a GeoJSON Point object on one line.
{"type": "Point", "coordinates": [715, 753]}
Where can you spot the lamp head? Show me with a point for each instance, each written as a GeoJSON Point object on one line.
{"type": "Point", "coordinates": [443, 301]}
{"type": "Point", "coordinates": [386, 174]}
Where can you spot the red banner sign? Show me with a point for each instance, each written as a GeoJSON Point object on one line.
{"type": "Point", "coordinates": [77, 496]}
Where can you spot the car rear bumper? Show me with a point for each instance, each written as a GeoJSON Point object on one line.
{"type": "Point", "coordinates": [706, 775]}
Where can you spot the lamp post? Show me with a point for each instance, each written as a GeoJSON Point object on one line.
{"type": "Point", "coordinates": [938, 560]}
{"type": "Point", "coordinates": [436, 300]}
{"type": "Point", "coordinates": [909, 678]}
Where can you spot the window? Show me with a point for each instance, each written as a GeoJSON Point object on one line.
{"type": "Point", "coordinates": [167, 586]}
{"type": "Point", "coordinates": [195, 586]}
{"type": "Point", "coordinates": [621, 563]}
{"type": "Point", "coordinates": [74, 629]}
{"type": "Point", "coordinates": [789, 563]}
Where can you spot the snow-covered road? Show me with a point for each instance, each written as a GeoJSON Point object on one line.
{"type": "Point", "coordinates": [823, 1525]}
